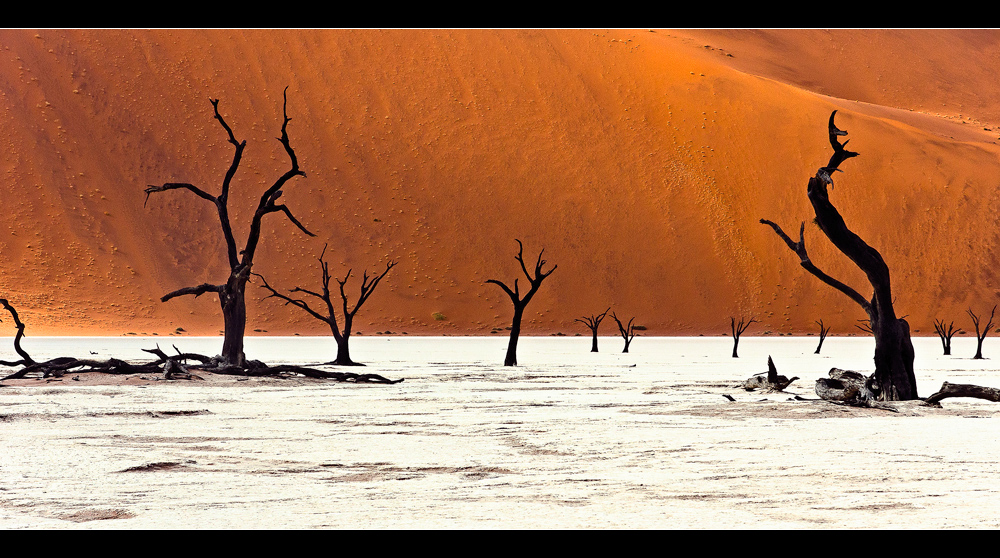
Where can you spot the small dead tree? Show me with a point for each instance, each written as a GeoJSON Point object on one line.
{"type": "Point", "coordinates": [368, 284]}
{"type": "Point", "coordinates": [593, 322]}
{"type": "Point", "coordinates": [823, 331]}
{"type": "Point", "coordinates": [738, 329]}
{"type": "Point", "coordinates": [627, 331]}
{"type": "Point", "coordinates": [893, 378]}
{"type": "Point", "coordinates": [231, 293]}
{"type": "Point", "coordinates": [945, 333]}
{"type": "Point", "coordinates": [980, 337]}
{"type": "Point", "coordinates": [535, 280]}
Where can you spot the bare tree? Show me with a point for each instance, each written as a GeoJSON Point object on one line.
{"type": "Point", "coordinates": [823, 331]}
{"type": "Point", "coordinates": [231, 293]}
{"type": "Point", "coordinates": [368, 284]}
{"type": "Point", "coordinates": [981, 336]}
{"type": "Point", "coordinates": [535, 280]}
{"type": "Point", "coordinates": [945, 334]}
{"type": "Point", "coordinates": [627, 331]}
{"type": "Point", "coordinates": [738, 329]}
{"type": "Point", "coordinates": [593, 322]}
{"type": "Point", "coordinates": [893, 378]}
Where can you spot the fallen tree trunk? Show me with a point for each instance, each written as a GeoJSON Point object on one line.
{"type": "Point", "coordinates": [963, 390]}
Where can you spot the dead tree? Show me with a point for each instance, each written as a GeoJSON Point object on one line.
{"type": "Point", "coordinates": [627, 331]}
{"type": "Point", "coordinates": [981, 336]}
{"type": "Point", "coordinates": [368, 284]}
{"type": "Point", "coordinates": [823, 331]}
{"type": "Point", "coordinates": [738, 329]}
{"type": "Point", "coordinates": [945, 334]}
{"type": "Point", "coordinates": [893, 378]}
{"type": "Point", "coordinates": [593, 322]}
{"type": "Point", "coordinates": [520, 303]}
{"type": "Point", "coordinates": [231, 293]}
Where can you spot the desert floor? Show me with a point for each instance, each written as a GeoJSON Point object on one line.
{"type": "Point", "coordinates": [568, 439]}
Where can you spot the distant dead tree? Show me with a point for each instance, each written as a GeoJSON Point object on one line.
{"type": "Point", "coordinates": [535, 280]}
{"type": "Point", "coordinates": [945, 334]}
{"type": "Point", "coordinates": [368, 284]}
{"type": "Point", "coordinates": [593, 322]}
{"type": "Point", "coordinates": [738, 329]}
{"type": "Point", "coordinates": [231, 293]}
{"type": "Point", "coordinates": [823, 331]}
{"type": "Point", "coordinates": [627, 331]}
{"type": "Point", "coordinates": [981, 336]}
{"type": "Point", "coordinates": [893, 378]}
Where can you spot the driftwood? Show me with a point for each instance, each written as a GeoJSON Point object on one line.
{"type": "Point", "coordinates": [768, 381]}
{"type": "Point", "coordinates": [852, 388]}
{"type": "Point", "coordinates": [173, 367]}
{"type": "Point", "coordinates": [963, 390]}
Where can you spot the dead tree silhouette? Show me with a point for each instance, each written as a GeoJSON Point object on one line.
{"type": "Point", "coordinates": [823, 331]}
{"type": "Point", "coordinates": [627, 331]}
{"type": "Point", "coordinates": [368, 284]}
{"type": "Point", "coordinates": [945, 334]}
{"type": "Point", "coordinates": [738, 329]}
{"type": "Point", "coordinates": [520, 303]}
{"type": "Point", "coordinates": [980, 337]}
{"type": "Point", "coordinates": [593, 322]}
{"type": "Point", "coordinates": [231, 293]}
{"type": "Point", "coordinates": [893, 378]}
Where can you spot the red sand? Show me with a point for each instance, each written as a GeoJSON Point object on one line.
{"type": "Point", "coordinates": [640, 160]}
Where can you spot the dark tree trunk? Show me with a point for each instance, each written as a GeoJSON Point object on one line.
{"type": "Point", "coordinates": [893, 378]}
{"type": "Point", "coordinates": [515, 332]}
{"type": "Point", "coordinates": [520, 303]}
{"type": "Point", "coordinates": [234, 314]}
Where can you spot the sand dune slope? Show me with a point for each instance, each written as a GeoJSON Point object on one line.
{"type": "Point", "coordinates": [641, 161]}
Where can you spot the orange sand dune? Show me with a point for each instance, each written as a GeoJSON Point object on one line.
{"type": "Point", "coordinates": [641, 161]}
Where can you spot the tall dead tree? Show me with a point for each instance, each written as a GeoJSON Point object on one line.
{"type": "Point", "coordinates": [893, 379]}
{"type": "Point", "coordinates": [945, 333]}
{"type": "Point", "coordinates": [593, 322]}
{"type": "Point", "coordinates": [368, 284]}
{"type": "Point", "coordinates": [823, 331]}
{"type": "Point", "coordinates": [231, 293]}
{"type": "Point", "coordinates": [535, 280]}
{"type": "Point", "coordinates": [738, 329]}
{"type": "Point", "coordinates": [627, 331]}
{"type": "Point", "coordinates": [980, 337]}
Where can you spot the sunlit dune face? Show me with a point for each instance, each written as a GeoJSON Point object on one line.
{"type": "Point", "coordinates": [641, 161]}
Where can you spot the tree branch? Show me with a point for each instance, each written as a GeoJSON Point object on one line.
{"type": "Point", "coordinates": [196, 291]}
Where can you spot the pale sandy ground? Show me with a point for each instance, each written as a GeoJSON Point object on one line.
{"type": "Point", "coordinates": [569, 439]}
